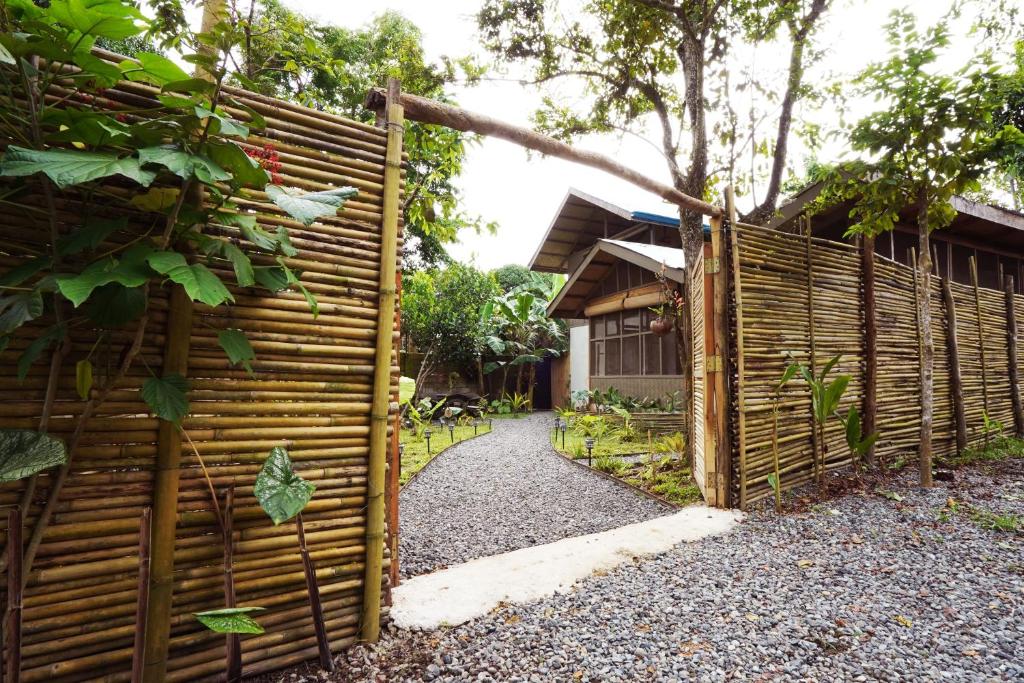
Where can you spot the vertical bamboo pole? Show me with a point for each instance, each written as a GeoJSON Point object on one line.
{"type": "Point", "coordinates": [322, 644]}
{"type": "Point", "coordinates": [14, 597]}
{"type": "Point", "coordinates": [376, 467]}
{"type": "Point", "coordinates": [956, 384]}
{"type": "Point", "coordinates": [395, 464]}
{"type": "Point", "coordinates": [981, 332]}
{"type": "Point", "coordinates": [1011, 351]}
{"type": "Point", "coordinates": [165, 497]}
{"type": "Point", "coordinates": [233, 644]}
{"type": "Point", "coordinates": [817, 447]}
{"type": "Point", "coordinates": [168, 456]}
{"type": "Point", "coordinates": [741, 398]}
{"type": "Point", "coordinates": [867, 254]}
{"type": "Point", "coordinates": [142, 602]}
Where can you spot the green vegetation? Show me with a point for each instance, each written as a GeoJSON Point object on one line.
{"type": "Point", "coordinates": [985, 519]}
{"type": "Point", "coordinates": [998, 449]}
{"type": "Point", "coordinates": [415, 456]}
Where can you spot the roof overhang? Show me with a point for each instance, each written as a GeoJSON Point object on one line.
{"type": "Point", "coordinates": [984, 225]}
{"type": "Point", "coordinates": [572, 298]}
{"type": "Point", "coordinates": [582, 220]}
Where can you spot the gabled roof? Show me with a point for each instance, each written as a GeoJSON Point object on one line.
{"type": "Point", "coordinates": [581, 220]}
{"type": "Point", "coordinates": [571, 299]}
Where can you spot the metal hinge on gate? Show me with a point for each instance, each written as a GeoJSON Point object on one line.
{"type": "Point", "coordinates": [713, 364]}
{"type": "Point", "coordinates": [712, 265]}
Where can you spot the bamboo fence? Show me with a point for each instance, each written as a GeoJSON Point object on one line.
{"type": "Point", "coordinates": [311, 391]}
{"type": "Point", "coordinates": [799, 298]}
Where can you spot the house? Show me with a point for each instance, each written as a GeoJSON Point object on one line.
{"type": "Point", "coordinates": [613, 258]}
{"type": "Point", "coordinates": [993, 235]}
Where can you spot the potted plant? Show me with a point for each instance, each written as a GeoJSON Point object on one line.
{"type": "Point", "coordinates": [662, 324]}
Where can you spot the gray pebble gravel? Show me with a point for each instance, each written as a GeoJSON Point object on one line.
{"type": "Point", "coordinates": [505, 491]}
{"type": "Point", "coordinates": [862, 588]}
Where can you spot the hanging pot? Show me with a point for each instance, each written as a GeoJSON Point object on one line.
{"type": "Point", "coordinates": [661, 325]}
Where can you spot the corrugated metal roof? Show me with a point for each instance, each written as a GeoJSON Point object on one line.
{"type": "Point", "coordinates": [669, 256]}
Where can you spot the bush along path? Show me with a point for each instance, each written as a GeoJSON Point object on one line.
{"type": "Point", "coordinates": [504, 491]}
{"type": "Point", "coordinates": [888, 585]}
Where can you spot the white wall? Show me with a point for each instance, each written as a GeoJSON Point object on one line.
{"type": "Point", "coordinates": [579, 358]}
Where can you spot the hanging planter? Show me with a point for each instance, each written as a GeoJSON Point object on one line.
{"type": "Point", "coordinates": [661, 325]}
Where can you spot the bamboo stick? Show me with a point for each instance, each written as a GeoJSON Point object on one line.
{"type": "Point", "coordinates": [142, 603]}
{"type": "Point", "coordinates": [816, 442]}
{"type": "Point", "coordinates": [870, 341]}
{"type": "Point", "coordinates": [1011, 352]}
{"type": "Point", "coordinates": [741, 397]}
{"type": "Point", "coordinates": [981, 333]}
{"type": "Point", "coordinates": [376, 468]}
{"type": "Point", "coordinates": [955, 380]}
{"type": "Point", "coordinates": [323, 646]}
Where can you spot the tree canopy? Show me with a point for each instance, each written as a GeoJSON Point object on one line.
{"type": "Point", "coordinates": [287, 54]}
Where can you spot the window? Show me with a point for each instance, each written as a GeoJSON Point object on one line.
{"type": "Point", "coordinates": [622, 344]}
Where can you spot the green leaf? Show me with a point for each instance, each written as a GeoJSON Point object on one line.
{"type": "Point", "coordinates": [18, 309]}
{"type": "Point", "coordinates": [241, 263]}
{"type": "Point", "coordinates": [167, 397]}
{"type": "Point", "coordinates": [114, 305]}
{"type": "Point", "coordinates": [6, 57]}
{"type": "Point", "coordinates": [183, 164]}
{"type": "Point", "coordinates": [83, 378]}
{"type": "Point", "coordinates": [230, 620]}
{"type": "Point", "coordinates": [131, 271]}
{"type": "Point", "coordinates": [789, 374]}
{"type": "Point", "coordinates": [36, 348]}
{"type": "Point", "coordinates": [66, 167]}
{"type": "Point", "coordinates": [152, 68]}
{"type": "Point", "coordinates": [237, 346]}
{"type": "Point", "coordinates": [828, 367]}
{"type": "Point", "coordinates": [281, 493]}
{"type": "Point", "coordinates": [271, 277]}
{"type": "Point", "coordinates": [853, 428]}
{"type": "Point", "coordinates": [406, 389]}
{"type": "Point", "coordinates": [199, 282]}
{"type": "Point", "coordinates": [189, 86]}
{"type": "Point", "coordinates": [16, 276]}
{"type": "Point", "coordinates": [245, 171]}
{"type": "Point", "coordinates": [259, 237]}
{"type": "Point", "coordinates": [24, 452]}
{"type": "Point", "coordinates": [225, 124]}
{"type": "Point", "coordinates": [833, 394]}
{"type": "Point", "coordinates": [157, 199]}
{"type": "Point", "coordinates": [88, 129]}
{"type": "Point", "coordinates": [773, 481]}
{"type": "Point", "coordinates": [311, 301]}
{"type": "Point", "coordinates": [284, 242]}
{"type": "Point", "coordinates": [90, 235]}
{"type": "Point", "coordinates": [99, 18]}
{"type": "Point", "coordinates": [306, 207]}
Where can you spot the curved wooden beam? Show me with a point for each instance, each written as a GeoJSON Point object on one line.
{"type": "Point", "coordinates": [430, 111]}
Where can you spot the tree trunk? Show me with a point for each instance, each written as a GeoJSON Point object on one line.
{"type": "Point", "coordinates": [519, 380]}
{"type": "Point", "coordinates": [532, 380]}
{"type": "Point", "coordinates": [924, 266]}
{"type": "Point", "coordinates": [422, 374]}
{"type": "Point", "coordinates": [481, 389]}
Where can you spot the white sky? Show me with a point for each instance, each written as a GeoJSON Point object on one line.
{"type": "Point", "coordinates": [521, 193]}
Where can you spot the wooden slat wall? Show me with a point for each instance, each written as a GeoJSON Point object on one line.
{"type": "Point", "coordinates": [310, 391]}
{"type": "Point", "coordinates": [773, 269]}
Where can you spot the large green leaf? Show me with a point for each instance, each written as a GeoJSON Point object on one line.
{"type": "Point", "coordinates": [18, 309]}
{"type": "Point", "coordinates": [184, 164]}
{"type": "Point", "coordinates": [19, 274]}
{"type": "Point", "coordinates": [273, 278]}
{"type": "Point", "coordinates": [114, 305]}
{"type": "Point", "coordinates": [130, 270]}
{"type": "Point", "coordinates": [24, 453]}
{"type": "Point", "coordinates": [66, 167]}
{"type": "Point", "coordinates": [244, 170]}
{"type": "Point", "coordinates": [87, 128]}
{"type": "Point", "coordinates": [237, 346]}
{"type": "Point", "coordinates": [199, 282]}
{"type": "Point", "coordinates": [152, 68]}
{"type": "Point", "coordinates": [5, 56]}
{"type": "Point", "coordinates": [306, 207]}
{"type": "Point", "coordinates": [110, 19]}
{"type": "Point", "coordinates": [281, 493]}
{"type": "Point", "coordinates": [167, 397]}
{"type": "Point", "coordinates": [230, 620]}
{"type": "Point", "coordinates": [406, 389]}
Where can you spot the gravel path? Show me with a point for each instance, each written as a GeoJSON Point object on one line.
{"type": "Point", "coordinates": [862, 588]}
{"type": "Point", "coordinates": [504, 491]}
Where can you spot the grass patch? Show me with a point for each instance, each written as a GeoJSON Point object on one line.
{"type": "Point", "coordinates": [1000, 448]}
{"type": "Point", "coordinates": [672, 480]}
{"type": "Point", "coordinates": [415, 456]}
{"type": "Point", "coordinates": [575, 446]}
{"type": "Point", "coordinates": [982, 518]}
